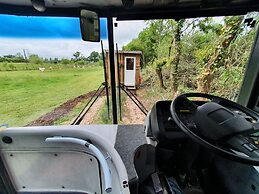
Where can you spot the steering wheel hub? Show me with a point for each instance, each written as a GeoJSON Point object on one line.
{"type": "Point", "coordinates": [216, 122]}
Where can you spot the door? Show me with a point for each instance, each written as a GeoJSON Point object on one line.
{"type": "Point", "coordinates": [130, 71]}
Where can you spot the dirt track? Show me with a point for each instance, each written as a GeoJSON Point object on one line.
{"type": "Point", "coordinates": [132, 114]}
{"type": "Point", "coordinates": [91, 114]}
{"type": "Point", "coordinates": [63, 109]}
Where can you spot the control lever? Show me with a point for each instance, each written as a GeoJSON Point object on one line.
{"type": "Point", "coordinates": [156, 183]}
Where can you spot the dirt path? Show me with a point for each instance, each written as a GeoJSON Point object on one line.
{"type": "Point", "coordinates": [132, 114]}
{"type": "Point", "coordinates": [93, 112]}
{"type": "Point", "coordinates": [60, 111]}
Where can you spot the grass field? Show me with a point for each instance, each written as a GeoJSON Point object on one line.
{"type": "Point", "coordinates": [26, 95]}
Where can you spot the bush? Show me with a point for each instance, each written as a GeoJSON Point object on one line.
{"type": "Point", "coordinates": [11, 67]}
{"type": "Point", "coordinates": [35, 59]}
{"type": "Point", "coordinates": [81, 62]}
{"type": "Point", "coordinates": [65, 61]}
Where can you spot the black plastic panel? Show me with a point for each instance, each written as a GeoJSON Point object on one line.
{"type": "Point", "coordinates": [163, 128]}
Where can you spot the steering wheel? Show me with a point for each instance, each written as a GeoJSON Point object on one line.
{"type": "Point", "coordinates": [223, 126]}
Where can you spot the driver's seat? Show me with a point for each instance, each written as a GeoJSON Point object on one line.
{"type": "Point", "coordinates": [150, 181]}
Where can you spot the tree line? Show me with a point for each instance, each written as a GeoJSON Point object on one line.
{"type": "Point", "coordinates": [78, 58]}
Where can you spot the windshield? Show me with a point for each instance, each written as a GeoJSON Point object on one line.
{"type": "Point", "coordinates": [49, 76]}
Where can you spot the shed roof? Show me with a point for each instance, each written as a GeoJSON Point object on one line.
{"type": "Point", "coordinates": [127, 52]}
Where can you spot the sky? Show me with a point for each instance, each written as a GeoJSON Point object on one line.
{"type": "Point", "coordinates": [57, 37]}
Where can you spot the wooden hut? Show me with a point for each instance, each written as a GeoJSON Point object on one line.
{"type": "Point", "coordinates": [129, 68]}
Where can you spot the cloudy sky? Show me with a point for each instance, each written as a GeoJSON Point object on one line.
{"type": "Point", "coordinates": [56, 37]}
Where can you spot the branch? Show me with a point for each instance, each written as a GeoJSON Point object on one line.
{"type": "Point", "coordinates": [189, 24]}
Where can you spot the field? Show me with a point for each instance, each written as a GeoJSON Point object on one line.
{"type": "Point", "coordinates": [27, 95]}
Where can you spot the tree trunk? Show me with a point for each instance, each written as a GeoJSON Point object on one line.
{"type": "Point", "coordinates": [160, 77]}
{"type": "Point", "coordinates": [204, 82]}
{"type": "Point", "coordinates": [175, 62]}
{"type": "Point", "coordinates": [228, 35]}
{"type": "Point", "coordinates": [159, 64]}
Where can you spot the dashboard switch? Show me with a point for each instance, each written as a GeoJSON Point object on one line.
{"type": "Point", "coordinates": [250, 147]}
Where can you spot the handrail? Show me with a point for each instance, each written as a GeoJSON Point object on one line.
{"type": "Point", "coordinates": [95, 150]}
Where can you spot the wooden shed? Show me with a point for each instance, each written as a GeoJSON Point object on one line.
{"type": "Point", "coordinates": [129, 68]}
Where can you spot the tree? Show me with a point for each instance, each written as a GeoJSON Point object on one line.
{"type": "Point", "coordinates": [65, 61]}
{"type": "Point", "coordinates": [19, 56]}
{"type": "Point", "coordinates": [204, 54]}
{"type": "Point", "coordinates": [148, 41]}
{"type": "Point", "coordinates": [170, 31]}
{"type": "Point", "coordinates": [159, 64]}
{"type": "Point", "coordinates": [35, 59]}
{"type": "Point", "coordinates": [229, 32]}
{"type": "Point", "coordinates": [174, 62]}
{"type": "Point", "coordinates": [77, 56]}
{"type": "Point", "coordinates": [9, 56]}
{"type": "Point", "coordinates": [94, 57]}
{"type": "Point", "coordinates": [134, 45]}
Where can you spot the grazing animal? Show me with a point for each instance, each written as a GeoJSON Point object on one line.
{"type": "Point", "coordinates": [42, 69]}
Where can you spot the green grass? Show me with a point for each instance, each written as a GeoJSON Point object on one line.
{"type": "Point", "coordinates": [27, 95]}
{"type": "Point", "coordinates": [102, 116]}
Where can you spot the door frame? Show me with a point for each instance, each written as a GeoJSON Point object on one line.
{"type": "Point", "coordinates": [125, 69]}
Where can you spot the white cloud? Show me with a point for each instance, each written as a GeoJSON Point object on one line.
{"type": "Point", "coordinates": [127, 30]}
{"type": "Point", "coordinates": [64, 48]}
{"type": "Point", "coordinates": [61, 48]}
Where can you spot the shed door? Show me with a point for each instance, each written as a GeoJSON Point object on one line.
{"type": "Point", "coordinates": [130, 71]}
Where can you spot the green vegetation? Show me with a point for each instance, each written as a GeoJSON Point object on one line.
{"type": "Point", "coordinates": [102, 116]}
{"type": "Point", "coordinates": [27, 95]}
{"type": "Point", "coordinates": [203, 54]}
{"type": "Point", "coordinates": [11, 66]}
{"type": "Point", "coordinates": [32, 86]}
{"type": "Point", "coordinates": [32, 62]}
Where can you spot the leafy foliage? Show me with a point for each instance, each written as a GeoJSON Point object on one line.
{"type": "Point", "coordinates": [35, 59]}
{"type": "Point", "coordinates": [94, 57]}
{"type": "Point", "coordinates": [207, 52]}
{"type": "Point", "coordinates": [19, 62]}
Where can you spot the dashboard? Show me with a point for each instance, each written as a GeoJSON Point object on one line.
{"type": "Point", "coordinates": [172, 145]}
{"type": "Point", "coordinates": [162, 127]}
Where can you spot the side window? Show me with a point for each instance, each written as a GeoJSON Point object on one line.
{"type": "Point", "coordinates": [130, 63]}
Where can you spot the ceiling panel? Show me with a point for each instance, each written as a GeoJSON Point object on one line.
{"type": "Point", "coordinates": [142, 9]}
